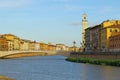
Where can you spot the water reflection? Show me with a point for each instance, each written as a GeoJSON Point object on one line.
{"type": "Point", "coordinates": [97, 72]}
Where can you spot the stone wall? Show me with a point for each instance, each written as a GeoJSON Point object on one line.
{"type": "Point", "coordinates": [100, 55]}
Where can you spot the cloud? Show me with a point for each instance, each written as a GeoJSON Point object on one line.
{"type": "Point", "coordinates": [13, 3]}
{"type": "Point", "coordinates": [76, 24]}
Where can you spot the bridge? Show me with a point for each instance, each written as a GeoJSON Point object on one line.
{"type": "Point", "coordinates": [7, 53]}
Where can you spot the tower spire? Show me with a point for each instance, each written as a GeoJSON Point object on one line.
{"type": "Point", "coordinates": [84, 26]}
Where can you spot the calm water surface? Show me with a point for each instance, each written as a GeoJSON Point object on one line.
{"type": "Point", "coordinates": [55, 68]}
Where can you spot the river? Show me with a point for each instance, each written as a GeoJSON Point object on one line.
{"type": "Point", "coordinates": [55, 68]}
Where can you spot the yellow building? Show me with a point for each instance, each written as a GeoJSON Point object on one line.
{"type": "Point", "coordinates": [108, 28]}
{"type": "Point", "coordinates": [51, 47]}
{"type": "Point", "coordinates": [14, 39]}
{"type": "Point", "coordinates": [74, 49]}
{"type": "Point", "coordinates": [43, 46]}
{"type": "Point", "coordinates": [3, 44]}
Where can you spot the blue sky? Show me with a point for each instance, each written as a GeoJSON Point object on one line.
{"type": "Point", "coordinates": [55, 21]}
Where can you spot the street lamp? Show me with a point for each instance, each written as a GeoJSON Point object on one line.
{"type": "Point", "coordinates": [74, 45]}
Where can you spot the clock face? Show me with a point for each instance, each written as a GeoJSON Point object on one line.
{"type": "Point", "coordinates": [84, 17]}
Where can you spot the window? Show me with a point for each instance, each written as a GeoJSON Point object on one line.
{"type": "Point", "coordinates": [110, 30]}
{"type": "Point", "coordinates": [116, 30]}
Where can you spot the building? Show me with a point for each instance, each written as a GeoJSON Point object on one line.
{"type": "Point", "coordinates": [109, 28]}
{"type": "Point", "coordinates": [43, 46]}
{"type": "Point", "coordinates": [14, 39]}
{"type": "Point", "coordinates": [24, 44]}
{"type": "Point", "coordinates": [114, 43]}
{"type": "Point", "coordinates": [37, 46]}
{"type": "Point", "coordinates": [61, 47]}
{"type": "Point", "coordinates": [88, 41]}
{"type": "Point", "coordinates": [10, 45]}
{"type": "Point", "coordinates": [84, 26]}
{"type": "Point", "coordinates": [32, 45]}
{"type": "Point", "coordinates": [3, 44]}
{"type": "Point", "coordinates": [93, 38]}
{"type": "Point", "coordinates": [51, 47]}
{"type": "Point", "coordinates": [74, 49]}
{"type": "Point", "coordinates": [97, 37]}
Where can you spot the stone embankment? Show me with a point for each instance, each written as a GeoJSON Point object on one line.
{"type": "Point", "coordinates": [112, 59]}
{"type": "Point", "coordinates": [63, 53]}
{"type": "Point", "coordinates": [97, 55]}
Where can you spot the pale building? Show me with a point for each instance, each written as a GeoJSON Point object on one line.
{"type": "Point", "coordinates": [37, 46]}
{"type": "Point", "coordinates": [67, 48]}
{"type": "Point", "coordinates": [10, 45]}
{"type": "Point", "coordinates": [61, 47]}
{"type": "Point", "coordinates": [32, 45]}
{"type": "Point", "coordinates": [24, 44]}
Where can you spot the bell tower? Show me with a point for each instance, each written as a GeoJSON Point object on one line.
{"type": "Point", "coordinates": [84, 26]}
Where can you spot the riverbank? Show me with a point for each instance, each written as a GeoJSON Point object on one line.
{"type": "Point", "coordinates": [94, 61]}
{"type": "Point", "coordinates": [26, 55]}
{"type": "Point", "coordinates": [5, 78]}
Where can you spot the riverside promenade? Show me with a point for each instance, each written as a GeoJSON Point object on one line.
{"type": "Point", "coordinates": [17, 54]}
{"type": "Point", "coordinates": [4, 54]}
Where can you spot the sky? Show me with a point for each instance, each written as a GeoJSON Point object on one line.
{"type": "Point", "coordinates": [55, 21]}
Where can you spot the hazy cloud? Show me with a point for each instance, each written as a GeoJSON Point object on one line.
{"type": "Point", "coordinates": [13, 3]}
{"type": "Point", "coordinates": [76, 24]}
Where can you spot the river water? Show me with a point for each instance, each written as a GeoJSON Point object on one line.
{"type": "Point", "coordinates": [55, 68]}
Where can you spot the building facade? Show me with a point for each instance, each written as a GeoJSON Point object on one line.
{"type": "Point", "coordinates": [61, 47]}
{"type": "Point", "coordinates": [43, 46]}
{"type": "Point", "coordinates": [37, 46]}
{"type": "Point", "coordinates": [14, 39]}
{"type": "Point", "coordinates": [10, 45]}
{"type": "Point", "coordinates": [24, 44]}
{"type": "Point", "coordinates": [51, 47]}
{"type": "Point", "coordinates": [93, 38]}
{"type": "Point", "coordinates": [109, 28]}
{"type": "Point", "coordinates": [97, 37]}
{"type": "Point", "coordinates": [3, 44]}
{"type": "Point", "coordinates": [114, 43]}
